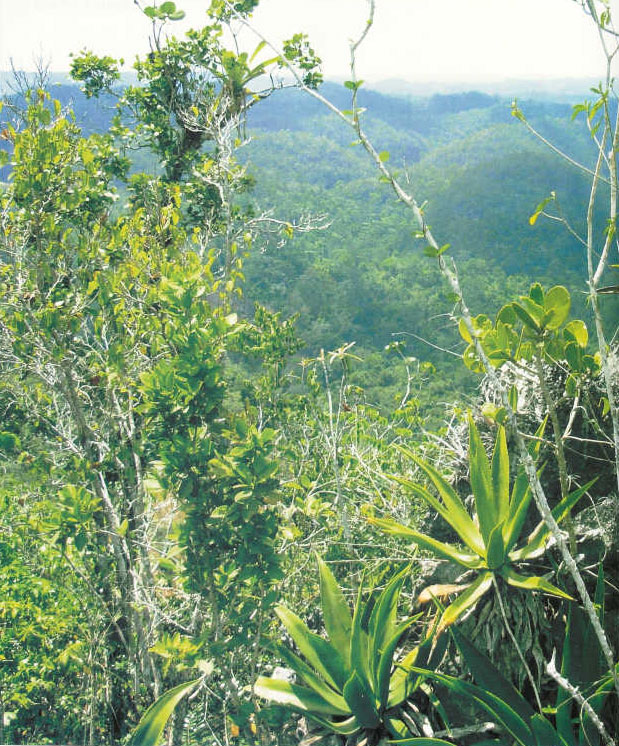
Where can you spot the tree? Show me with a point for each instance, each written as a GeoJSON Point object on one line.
{"type": "Point", "coordinates": [114, 336]}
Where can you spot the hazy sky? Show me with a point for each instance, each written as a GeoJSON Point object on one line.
{"type": "Point", "coordinates": [418, 40]}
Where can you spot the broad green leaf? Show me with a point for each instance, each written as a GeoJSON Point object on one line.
{"type": "Point", "coordinates": [533, 583]}
{"type": "Point", "coordinates": [341, 727]}
{"type": "Point", "coordinates": [399, 686]}
{"type": "Point", "coordinates": [500, 475]}
{"type": "Point", "coordinates": [464, 332]}
{"type": "Point", "coordinates": [557, 301]}
{"type": "Point", "coordinates": [577, 330]}
{"type": "Point", "coordinates": [464, 527]}
{"type": "Point", "coordinates": [447, 551]}
{"type": "Point", "coordinates": [396, 727]}
{"type": "Point", "coordinates": [359, 641]}
{"type": "Point", "coordinates": [507, 315]}
{"type": "Point", "coordinates": [459, 518]}
{"type": "Point", "coordinates": [318, 685]}
{"type": "Point", "coordinates": [518, 509]}
{"type": "Point", "coordinates": [541, 534]}
{"type": "Point", "coordinates": [500, 710]}
{"type": "Point", "coordinates": [496, 548]}
{"type": "Point", "coordinates": [536, 294]}
{"type": "Point", "coordinates": [383, 670]}
{"type": "Point", "coordinates": [154, 720]}
{"type": "Point", "coordinates": [383, 619]}
{"type": "Point", "coordinates": [527, 319]}
{"type": "Point", "coordinates": [488, 676]}
{"type": "Point", "coordinates": [325, 659]}
{"type": "Point", "coordinates": [360, 699]}
{"type": "Point", "coordinates": [335, 610]}
{"type": "Point", "coordinates": [465, 600]}
{"type": "Point", "coordinates": [574, 357]}
{"type": "Point", "coordinates": [295, 696]}
{"type": "Point", "coordinates": [481, 483]}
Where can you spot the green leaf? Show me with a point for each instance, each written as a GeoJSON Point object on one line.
{"type": "Point", "coordinates": [167, 7]}
{"type": "Point", "coordinates": [462, 524]}
{"type": "Point", "coordinates": [540, 208]}
{"type": "Point", "coordinates": [500, 475]}
{"type": "Point", "coordinates": [527, 319]}
{"type": "Point", "coordinates": [399, 685]}
{"type": "Point", "coordinates": [382, 622]}
{"type": "Point", "coordinates": [507, 315]}
{"type": "Point", "coordinates": [318, 685]}
{"type": "Point", "coordinates": [541, 534]}
{"type": "Point", "coordinates": [500, 710]}
{"type": "Point", "coordinates": [577, 330]}
{"type": "Point", "coordinates": [384, 156]}
{"type": "Point", "coordinates": [319, 653]}
{"type": "Point", "coordinates": [439, 548]}
{"type": "Point", "coordinates": [488, 676]}
{"type": "Point", "coordinates": [360, 699]}
{"type": "Point", "coordinates": [533, 583]}
{"type": "Point", "coordinates": [359, 641]}
{"type": "Point", "coordinates": [557, 301]}
{"type": "Point", "coordinates": [496, 555]}
{"type": "Point", "coordinates": [456, 515]}
{"type": "Point", "coordinates": [464, 332]}
{"type": "Point", "coordinates": [291, 695]}
{"type": "Point", "coordinates": [383, 670]}
{"type": "Point", "coordinates": [341, 727]}
{"type": "Point", "coordinates": [481, 483]}
{"type": "Point", "coordinates": [545, 734]}
{"type": "Point", "coordinates": [466, 600]}
{"type": "Point", "coordinates": [154, 720]}
{"type": "Point", "coordinates": [257, 50]}
{"type": "Point", "coordinates": [518, 509]}
{"type": "Point", "coordinates": [536, 294]}
{"type": "Point", "coordinates": [335, 610]}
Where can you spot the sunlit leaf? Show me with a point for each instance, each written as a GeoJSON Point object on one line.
{"type": "Point", "coordinates": [154, 720]}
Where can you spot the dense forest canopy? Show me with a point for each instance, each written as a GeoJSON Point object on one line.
{"type": "Point", "coordinates": [310, 403]}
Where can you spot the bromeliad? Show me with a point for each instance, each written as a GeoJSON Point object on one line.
{"type": "Point", "coordinates": [352, 684]}
{"type": "Point", "coordinates": [491, 536]}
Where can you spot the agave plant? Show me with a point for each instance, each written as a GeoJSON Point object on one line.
{"type": "Point", "coordinates": [491, 536]}
{"type": "Point", "coordinates": [352, 686]}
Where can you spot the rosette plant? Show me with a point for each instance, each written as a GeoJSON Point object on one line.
{"type": "Point", "coordinates": [353, 684]}
{"type": "Point", "coordinates": [492, 535]}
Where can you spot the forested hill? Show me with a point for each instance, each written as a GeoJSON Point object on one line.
{"type": "Point", "coordinates": [366, 278]}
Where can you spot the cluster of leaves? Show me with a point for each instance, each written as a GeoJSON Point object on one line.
{"type": "Point", "coordinates": [535, 325]}
{"type": "Point", "coordinates": [492, 534]}
{"type": "Point", "coordinates": [354, 687]}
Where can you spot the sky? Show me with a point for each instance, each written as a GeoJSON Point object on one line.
{"type": "Point", "coordinates": [414, 40]}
